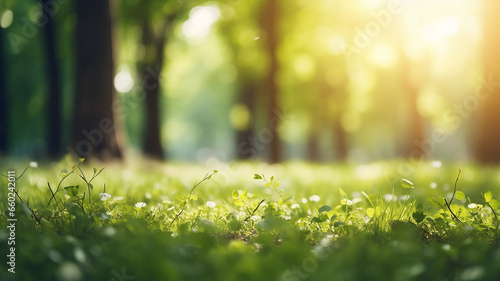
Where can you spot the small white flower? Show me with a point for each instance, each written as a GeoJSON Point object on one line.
{"type": "Point", "coordinates": [255, 218]}
{"type": "Point", "coordinates": [104, 196]}
{"type": "Point", "coordinates": [433, 185]}
{"type": "Point", "coordinates": [390, 197]}
{"type": "Point", "coordinates": [33, 164]}
{"type": "Point", "coordinates": [210, 204]}
{"type": "Point", "coordinates": [295, 206]}
{"type": "Point", "coordinates": [140, 204]}
{"type": "Point", "coordinates": [472, 205]}
{"type": "Point", "coordinates": [404, 197]}
{"type": "Point", "coordinates": [304, 200]}
{"type": "Point", "coordinates": [314, 198]}
{"type": "Point", "coordinates": [118, 198]}
{"type": "Point", "coordinates": [436, 164]}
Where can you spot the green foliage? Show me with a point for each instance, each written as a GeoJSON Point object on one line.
{"type": "Point", "coordinates": [219, 231]}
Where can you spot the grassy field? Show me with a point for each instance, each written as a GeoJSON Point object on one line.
{"type": "Point", "coordinates": [252, 221]}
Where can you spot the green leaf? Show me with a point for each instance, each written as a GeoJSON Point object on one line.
{"type": "Point", "coordinates": [442, 202]}
{"type": "Point", "coordinates": [95, 170]}
{"type": "Point", "coordinates": [420, 207]}
{"type": "Point", "coordinates": [406, 183]}
{"type": "Point", "coordinates": [488, 196]}
{"type": "Point", "coordinates": [338, 223]}
{"type": "Point", "coordinates": [495, 204]}
{"type": "Point", "coordinates": [325, 208]}
{"type": "Point", "coordinates": [91, 186]}
{"type": "Point", "coordinates": [272, 178]}
{"type": "Point", "coordinates": [459, 195]}
{"type": "Point", "coordinates": [434, 201]}
{"type": "Point", "coordinates": [235, 194]}
{"type": "Point", "coordinates": [244, 195]}
{"type": "Point", "coordinates": [81, 160]}
{"type": "Point", "coordinates": [342, 192]}
{"type": "Point", "coordinates": [193, 197]}
{"type": "Point", "coordinates": [418, 216]}
{"type": "Point", "coordinates": [72, 190]}
{"type": "Point", "coordinates": [73, 209]}
{"type": "Point", "coordinates": [346, 202]}
{"type": "Point", "coordinates": [239, 202]}
{"type": "Point", "coordinates": [257, 176]}
{"type": "Point", "coordinates": [370, 212]}
{"type": "Point", "coordinates": [315, 219]}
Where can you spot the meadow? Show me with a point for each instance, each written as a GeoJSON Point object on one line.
{"type": "Point", "coordinates": [253, 221]}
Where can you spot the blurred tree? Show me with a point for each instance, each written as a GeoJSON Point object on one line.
{"type": "Point", "coordinates": [155, 20]}
{"type": "Point", "coordinates": [411, 85]}
{"type": "Point", "coordinates": [331, 84]}
{"type": "Point", "coordinates": [269, 22]}
{"type": "Point", "coordinates": [242, 35]}
{"type": "Point", "coordinates": [488, 134]}
{"type": "Point", "coordinates": [153, 43]}
{"type": "Point", "coordinates": [54, 121]}
{"type": "Point", "coordinates": [95, 130]}
{"type": "Point", "coordinates": [3, 98]}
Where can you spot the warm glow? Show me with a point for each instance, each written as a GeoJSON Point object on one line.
{"type": "Point", "coordinates": [6, 19]}
{"type": "Point", "coordinates": [336, 44]}
{"type": "Point", "coordinates": [435, 31]}
{"type": "Point", "coordinates": [123, 81]}
{"type": "Point", "coordinates": [200, 21]}
{"type": "Point", "coordinates": [240, 117]}
{"type": "Point", "coordinates": [384, 56]}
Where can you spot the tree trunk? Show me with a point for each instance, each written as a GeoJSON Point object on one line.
{"type": "Point", "coordinates": [54, 130]}
{"type": "Point", "coordinates": [313, 147]}
{"type": "Point", "coordinates": [270, 28]}
{"type": "Point", "coordinates": [340, 140]}
{"type": "Point", "coordinates": [149, 70]}
{"type": "Point", "coordinates": [488, 135]}
{"type": "Point", "coordinates": [416, 134]}
{"type": "Point", "coordinates": [94, 130]}
{"type": "Point", "coordinates": [4, 115]}
{"type": "Point", "coordinates": [246, 97]}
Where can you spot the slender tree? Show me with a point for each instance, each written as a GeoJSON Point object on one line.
{"type": "Point", "coordinates": [155, 19]}
{"type": "Point", "coordinates": [416, 130]}
{"type": "Point", "coordinates": [94, 128]}
{"type": "Point", "coordinates": [250, 78]}
{"type": "Point", "coordinates": [270, 27]}
{"type": "Point", "coordinates": [149, 67]}
{"type": "Point", "coordinates": [54, 115]}
{"type": "Point", "coordinates": [488, 135]}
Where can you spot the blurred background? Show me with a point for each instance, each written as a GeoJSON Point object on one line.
{"type": "Point", "coordinates": [271, 80]}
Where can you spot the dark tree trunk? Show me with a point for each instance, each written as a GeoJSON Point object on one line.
{"type": "Point", "coordinates": [54, 130]}
{"type": "Point", "coordinates": [149, 70]}
{"type": "Point", "coordinates": [416, 134]}
{"type": "Point", "coordinates": [270, 21]}
{"type": "Point", "coordinates": [4, 115]}
{"type": "Point", "coordinates": [340, 140]}
{"type": "Point", "coordinates": [313, 147]}
{"type": "Point", "coordinates": [247, 98]}
{"type": "Point", "coordinates": [94, 130]}
{"type": "Point", "coordinates": [488, 135]}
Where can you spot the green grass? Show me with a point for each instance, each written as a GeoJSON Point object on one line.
{"type": "Point", "coordinates": [253, 221]}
